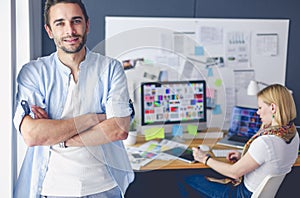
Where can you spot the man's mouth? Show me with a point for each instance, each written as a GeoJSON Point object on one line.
{"type": "Point", "coordinates": [71, 40]}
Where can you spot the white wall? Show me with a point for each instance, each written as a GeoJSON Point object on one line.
{"type": "Point", "coordinates": [23, 56]}
{"type": "Point", "coordinates": [20, 41]}
{"type": "Point", "coordinates": [7, 170]}
{"type": "Point", "coordinates": [28, 42]}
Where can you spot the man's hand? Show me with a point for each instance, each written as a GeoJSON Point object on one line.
{"type": "Point", "coordinates": [44, 131]}
{"type": "Point", "coordinates": [39, 113]}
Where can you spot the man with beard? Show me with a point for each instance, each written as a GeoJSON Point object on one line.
{"type": "Point", "coordinates": [72, 111]}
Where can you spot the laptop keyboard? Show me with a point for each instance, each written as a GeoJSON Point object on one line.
{"type": "Point", "coordinates": [238, 138]}
{"type": "Point", "coordinates": [222, 152]}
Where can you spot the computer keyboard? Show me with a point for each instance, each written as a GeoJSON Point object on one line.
{"type": "Point", "coordinates": [239, 138]}
{"type": "Point", "coordinates": [222, 152]}
{"type": "Point", "coordinates": [203, 135]}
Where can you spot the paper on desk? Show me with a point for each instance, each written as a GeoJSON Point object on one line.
{"type": "Point", "coordinates": [157, 147]}
{"type": "Point", "coordinates": [139, 158]}
{"type": "Point", "coordinates": [165, 157]}
{"type": "Point", "coordinates": [142, 155]}
{"type": "Point", "coordinates": [168, 144]}
{"type": "Point", "coordinates": [151, 146]}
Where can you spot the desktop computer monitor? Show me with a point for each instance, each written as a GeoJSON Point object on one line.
{"type": "Point", "coordinates": [169, 103]}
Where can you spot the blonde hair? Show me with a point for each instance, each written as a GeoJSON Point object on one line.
{"type": "Point", "coordinates": [283, 99]}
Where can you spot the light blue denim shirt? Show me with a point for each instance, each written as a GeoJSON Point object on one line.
{"type": "Point", "coordinates": [102, 89]}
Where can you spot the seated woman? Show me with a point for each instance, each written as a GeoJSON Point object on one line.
{"type": "Point", "coordinates": [271, 151]}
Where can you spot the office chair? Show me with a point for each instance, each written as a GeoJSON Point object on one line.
{"type": "Point", "coordinates": [268, 187]}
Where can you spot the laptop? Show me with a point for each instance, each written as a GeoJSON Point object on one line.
{"type": "Point", "coordinates": [244, 123]}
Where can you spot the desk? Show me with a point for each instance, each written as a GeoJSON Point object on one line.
{"type": "Point", "coordinates": [159, 179]}
{"type": "Point", "coordinates": [178, 164]}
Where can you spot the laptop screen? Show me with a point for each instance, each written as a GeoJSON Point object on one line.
{"type": "Point", "coordinates": [244, 122]}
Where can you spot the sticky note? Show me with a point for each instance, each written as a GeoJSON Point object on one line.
{"type": "Point", "coordinates": [177, 130]}
{"type": "Point", "coordinates": [210, 72]}
{"type": "Point", "coordinates": [217, 110]}
{"type": "Point", "coordinates": [210, 92]}
{"type": "Point", "coordinates": [218, 82]}
{"type": "Point", "coordinates": [154, 133]}
{"type": "Point", "coordinates": [199, 51]}
{"type": "Point", "coordinates": [192, 129]}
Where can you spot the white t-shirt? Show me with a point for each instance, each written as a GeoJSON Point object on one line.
{"type": "Point", "coordinates": [274, 156]}
{"type": "Point", "coordinates": [75, 171]}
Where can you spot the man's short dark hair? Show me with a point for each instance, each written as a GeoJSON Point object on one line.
{"type": "Point", "coordinates": [50, 3]}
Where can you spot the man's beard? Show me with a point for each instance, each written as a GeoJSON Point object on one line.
{"type": "Point", "coordinates": [81, 45]}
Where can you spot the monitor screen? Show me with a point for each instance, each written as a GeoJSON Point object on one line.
{"type": "Point", "coordinates": [244, 121]}
{"type": "Point", "coordinates": [173, 102]}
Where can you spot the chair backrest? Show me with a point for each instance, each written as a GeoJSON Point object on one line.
{"type": "Point", "coordinates": [268, 187]}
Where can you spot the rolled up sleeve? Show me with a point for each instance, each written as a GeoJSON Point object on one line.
{"type": "Point", "coordinates": [117, 104]}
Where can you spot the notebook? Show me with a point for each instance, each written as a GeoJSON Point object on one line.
{"type": "Point", "coordinates": [244, 123]}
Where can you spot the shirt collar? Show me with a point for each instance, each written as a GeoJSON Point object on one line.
{"type": "Point", "coordinates": [67, 70]}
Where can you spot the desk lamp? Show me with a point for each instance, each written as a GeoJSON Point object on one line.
{"type": "Point", "coordinates": [253, 87]}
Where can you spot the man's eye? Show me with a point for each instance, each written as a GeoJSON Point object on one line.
{"type": "Point", "coordinates": [59, 24]}
{"type": "Point", "coordinates": [77, 21]}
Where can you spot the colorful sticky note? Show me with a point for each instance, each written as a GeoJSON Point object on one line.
{"type": "Point", "coordinates": [192, 129]}
{"type": "Point", "coordinates": [177, 130]}
{"type": "Point", "coordinates": [217, 110]}
{"type": "Point", "coordinates": [199, 51]}
{"type": "Point", "coordinates": [210, 72]}
{"type": "Point", "coordinates": [218, 82]}
{"type": "Point", "coordinates": [154, 133]}
{"type": "Point", "coordinates": [210, 92]}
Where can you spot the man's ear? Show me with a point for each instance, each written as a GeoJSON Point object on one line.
{"type": "Point", "coordinates": [48, 30]}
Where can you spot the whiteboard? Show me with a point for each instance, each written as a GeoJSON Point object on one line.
{"type": "Point", "coordinates": [168, 43]}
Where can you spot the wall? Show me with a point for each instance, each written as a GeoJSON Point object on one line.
{"type": "Point", "coordinates": [267, 9]}
{"type": "Point", "coordinates": [8, 56]}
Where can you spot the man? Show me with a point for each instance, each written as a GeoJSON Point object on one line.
{"type": "Point", "coordinates": [72, 112]}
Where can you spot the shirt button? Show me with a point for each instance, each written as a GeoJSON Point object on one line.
{"type": "Point", "coordinates": [40, 189]}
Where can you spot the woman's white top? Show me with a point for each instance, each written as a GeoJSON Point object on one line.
{"type": "Point", "coordinates": [274, 155]}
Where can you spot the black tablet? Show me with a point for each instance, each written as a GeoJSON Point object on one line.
{"type": "Point", "coordinates": [182, 154]}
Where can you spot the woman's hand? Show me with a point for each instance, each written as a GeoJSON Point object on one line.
{"type": "Point", "coordinates": [233, 156]}
{"type": "Point", "coordinates": [199, 155]}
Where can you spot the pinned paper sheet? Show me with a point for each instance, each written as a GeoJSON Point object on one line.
{"type": "Point", "coordinates": [217, 110]}
{"type": "Point", "coordinates": [177, 130]}
{"type": "Point", "coordinates": [154, 133]}
{"type": "Point", "coordinates": [192, 129]}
